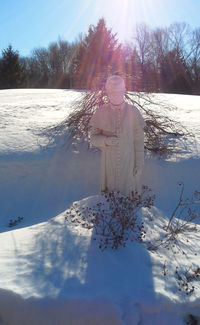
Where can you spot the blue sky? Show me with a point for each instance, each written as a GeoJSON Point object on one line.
{"type": "Point", "coordinates": [29, 24]}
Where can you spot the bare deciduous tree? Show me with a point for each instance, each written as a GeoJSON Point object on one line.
{"type": "Point", "coordinates": [161, 132]}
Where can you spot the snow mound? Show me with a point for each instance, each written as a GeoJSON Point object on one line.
{"type": "Point", "coordinates": [18, 311]}
{"type": "Point", "coordinates": [58, 272]}
{"type": "Point", "coordinates": [53, 272]}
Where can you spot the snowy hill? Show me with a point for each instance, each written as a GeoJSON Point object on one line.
{"type": "Point", "coordinates": [54, 273]}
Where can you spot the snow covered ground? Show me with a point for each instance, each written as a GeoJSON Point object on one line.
{"type": "Point", "coordinates": [54, 273]}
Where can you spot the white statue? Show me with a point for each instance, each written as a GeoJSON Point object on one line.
{"type": "Point", "coordinates": [117, 128]}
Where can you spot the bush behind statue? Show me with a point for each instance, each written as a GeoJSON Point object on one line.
{"type": "Point", "coordinates": [163, 135]}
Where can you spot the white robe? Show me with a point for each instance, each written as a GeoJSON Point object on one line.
{"type": "Point", "coordinates": [118, 162]}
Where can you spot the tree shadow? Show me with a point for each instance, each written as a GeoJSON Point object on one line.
{"type": "Point", "coordinates": [65, 262]}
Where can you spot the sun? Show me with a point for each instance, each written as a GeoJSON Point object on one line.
{"type": "Point", "coordinates": [120, 15]}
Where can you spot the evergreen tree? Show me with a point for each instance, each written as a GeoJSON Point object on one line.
{"type": "Point", "coordinates": [98, 54]}
{"type": "Point", "coordinates": [12, 72]}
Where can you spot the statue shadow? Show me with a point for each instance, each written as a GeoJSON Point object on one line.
{"type": "Point", "coordinates": [123, 275]}
{"type": "Point", "coordinates": [64, 263]}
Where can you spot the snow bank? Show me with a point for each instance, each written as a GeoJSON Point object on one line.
{"type": "Point", "coordinates": [52, 273]}
{"type": "Point", "coordinates": [15, 310]}
{"type": "Point", "coordinates": [78, 312]}
{"type": "Point", "coordinates": [55, 273]}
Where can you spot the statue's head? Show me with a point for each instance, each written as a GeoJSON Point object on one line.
{"type": "Point", "coordinates": [115, 89]}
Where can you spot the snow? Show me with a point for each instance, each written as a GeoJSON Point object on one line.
{"type": "Point", "coordinates": [53, 272]}
{"type": "Point", "coordinates": [24, 111]}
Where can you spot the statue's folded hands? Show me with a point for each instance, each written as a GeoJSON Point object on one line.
{"type": "Point", "coordinates": [111, 141]}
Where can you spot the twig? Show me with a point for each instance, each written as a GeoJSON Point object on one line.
{"type": "Point", "coordinates": [178, 205]}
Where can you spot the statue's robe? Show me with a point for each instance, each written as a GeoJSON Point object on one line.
{"type": "Point", "coordinates": [118, 162]}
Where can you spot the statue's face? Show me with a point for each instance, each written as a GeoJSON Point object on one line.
{"type": "Point", "coordinates": [115, 94]}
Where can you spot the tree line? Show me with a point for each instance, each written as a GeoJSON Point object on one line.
{"type": "Point", "coordinates": [164, 59]}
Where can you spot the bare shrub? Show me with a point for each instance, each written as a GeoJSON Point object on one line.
{"type": "Point", "coordinates": [186, 279]}
{"type": "Point", "coordinates": [185, 212]}
{"type": "Point", "coordinates": [181, 222]}
{"type": "Point", "coordinates": [161, 132]}
{"type": "Point", "coordinates": [114, 219]}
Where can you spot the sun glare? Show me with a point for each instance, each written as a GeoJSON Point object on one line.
{"type": "Point", "coordinates": [118, 16]}
{"type": "Point", "coordinates": [124, 15]}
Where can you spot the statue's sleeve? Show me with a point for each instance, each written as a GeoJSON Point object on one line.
{"type": "Point", "coordinates": [139, 125]}
{"type": "Point", "coordinates": [97, 139]}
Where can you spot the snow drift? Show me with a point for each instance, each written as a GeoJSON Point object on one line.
{"type": "Point", "coordinates": [52, 273]}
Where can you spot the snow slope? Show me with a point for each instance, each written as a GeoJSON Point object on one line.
{"type": "Point", "coordinates": [54, 273]}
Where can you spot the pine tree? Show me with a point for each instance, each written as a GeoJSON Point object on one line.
{"type": "Point", "coordinates": [12, 72]}
{"type": "Point", "coordinates": [98, 54]}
